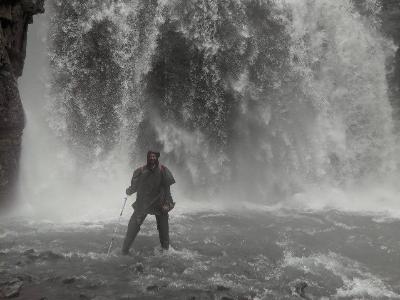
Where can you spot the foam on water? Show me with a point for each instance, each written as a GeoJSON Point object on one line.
{"type": "Point", "coordinates": [184, 253]}
{"type": "Point", "coordinates": [218, 279]}
{"type": "Point", "coordinates": [371, 287]}
{"type": "Point", "coordinates": [89, 255]}
{"type": "Point", "coordinates": [208, 255]}
{"type": "Point", "coordinates": [196, 267]}
{"type": "Point", "coordinates": [8, 233]}
{"type": "Point", "coordinates": [357, 281]}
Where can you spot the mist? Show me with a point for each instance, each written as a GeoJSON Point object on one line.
{"type": "Point", "coordinates": [318, 134]}
{"type": "Point", "coordinates": [278, 119]}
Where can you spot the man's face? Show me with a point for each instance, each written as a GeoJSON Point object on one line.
{"type": "Point", "coordinates": [152, 159]}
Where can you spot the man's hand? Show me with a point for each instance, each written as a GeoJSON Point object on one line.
{"type": "Point", "coordinates": [167, 206]}
{"type": "Point", "coordinates": [128, 191]}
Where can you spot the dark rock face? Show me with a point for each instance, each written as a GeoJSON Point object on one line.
{"type": "Point", "coordinates": [391, 27]}
{"type": "Point", "coordinates": [15, 15]}
{"type": "Point", "coordinates": [389, 20]}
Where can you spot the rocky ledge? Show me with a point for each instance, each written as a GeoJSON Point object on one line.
{"type": "Point", "coordinates": [15, 16]}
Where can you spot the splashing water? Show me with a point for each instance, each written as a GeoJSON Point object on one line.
{"type": "Point", "coordinates": [257, 101]}
{"type": "Point", "coordinates": [268, 111]}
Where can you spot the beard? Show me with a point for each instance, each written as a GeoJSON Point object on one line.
{"type": "Point", "coordinates": [152, 164]}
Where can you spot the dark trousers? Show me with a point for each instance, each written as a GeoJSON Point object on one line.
{"type": "Point", "coordinates": [134, 226]}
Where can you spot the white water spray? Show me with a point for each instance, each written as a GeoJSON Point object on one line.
{"type": "Point", "coordinates": [316, 130]}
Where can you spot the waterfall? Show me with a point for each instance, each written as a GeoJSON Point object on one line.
{"type": "Point", "coordinates": [341, 57]}
{"type": "Point", "coordinates": [251, 100]}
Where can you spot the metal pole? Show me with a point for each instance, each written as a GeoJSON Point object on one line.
{"type": "Point", "coordinates": [116, 226]}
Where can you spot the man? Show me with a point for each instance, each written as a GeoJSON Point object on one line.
{"type": "Point", "coordinates": [152, 184]}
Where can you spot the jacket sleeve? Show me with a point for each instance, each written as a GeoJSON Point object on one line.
{"type": "Point", "coordinates": [168, 196]}
{"type": "Point", "coordinates": [134, 182]}
{"type": "Point", "coordinates": [168, 180]}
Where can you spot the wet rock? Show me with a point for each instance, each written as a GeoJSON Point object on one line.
{"type": "Point", "coordinates": [49, 255]}
{"type": "Point", "coordinates": [25, 277]}
{"type": "Point", "coordinates": [222, 288]}
{"type": "Point", "coordinates": [101, 298]}
{"type": "Point", "coordinates": [139, 267]}
{"type": "Point", "coordinates": [15, 16]}
{"type": "Point", "coordinates": [152, 288]}
{"type": "Point", "coordinates": [128, 297]}
{"type": "Point", "coordinates": [299, 289]}
{"type": "Point", "coordinates": [45, 255]}
{"type": "Point", "coordinates": [11, 288]}
{"type": "Point", "coordinates": [54, 278]}
{"type": "Point", "coordinates": [5, 13]}
{"type": "Point", "coordinates": [69, 280]}
{"type": "Point", "coordinates": [92, 284]}
{"type": "Point", "coordinates": [33, 6]}
{"type": "Point", "coordinates": [29, 252]}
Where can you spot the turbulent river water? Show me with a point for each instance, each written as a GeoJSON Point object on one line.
{"type": "Point", "coordinates": [236, 255]}
{"type": "Point", "coordinates": [273, 116]}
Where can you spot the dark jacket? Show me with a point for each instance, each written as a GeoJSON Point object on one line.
{"type": "Point", "coordinates": [152, 187]}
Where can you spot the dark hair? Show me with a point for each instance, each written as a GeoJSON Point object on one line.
{"type": "Point", "coordinates": [153, 152]}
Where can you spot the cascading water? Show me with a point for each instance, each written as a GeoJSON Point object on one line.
{"type": "Point", "coordinates": [263, 98]}
{"type": "Point", "coordinates": [269, 112]}
{"type": "Point", "coordinates": [342, 61]}
{"type": "Point", "coordinates": [341, 58]}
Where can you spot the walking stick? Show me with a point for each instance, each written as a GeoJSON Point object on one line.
{"type": "Point", "coordinates": [116, 226]}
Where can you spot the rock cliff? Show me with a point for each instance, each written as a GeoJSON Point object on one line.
{"type": "Point", "coordinates": [15, 16]}
{"type": "Point", "coordinates": [391, 27]}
